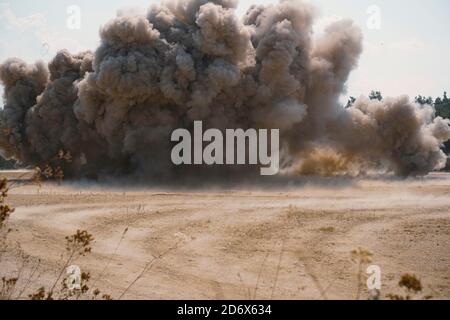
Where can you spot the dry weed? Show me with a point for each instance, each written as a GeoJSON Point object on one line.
{"type": "Point", "coordinates": [412, 287]}
{"type": "Point", "coordinates": [361, 257]}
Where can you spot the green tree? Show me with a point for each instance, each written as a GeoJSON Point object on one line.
{"type": "Point", "coordinates": [442, 106]}
{"type": "Point", "coordinates": [351, 101]}
{"type": "Point", "coordinates": [375, 95]}
{"type": "Point", "coordinates": [423, 100]}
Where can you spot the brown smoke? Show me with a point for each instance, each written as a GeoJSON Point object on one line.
{"type": "Point", "coordinates": [114, 110]}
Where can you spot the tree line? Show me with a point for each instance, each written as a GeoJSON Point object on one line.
{"type": "Point", "coordinates": [441, 104]}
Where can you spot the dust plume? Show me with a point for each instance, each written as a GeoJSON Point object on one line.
{"type": "Point", "coordinates": [114, 109]}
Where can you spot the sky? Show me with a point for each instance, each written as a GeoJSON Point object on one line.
{"type": "Point", "coordinates": [406, 42]}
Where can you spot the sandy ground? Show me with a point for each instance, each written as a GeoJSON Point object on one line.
{"type": "Point", "coordinates": [282, 243]}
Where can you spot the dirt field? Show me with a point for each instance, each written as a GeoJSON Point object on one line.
{"type": "Point", "coordinates": [280, 243]}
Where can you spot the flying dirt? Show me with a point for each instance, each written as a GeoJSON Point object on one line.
{"type": "Point", "coordinates": [114, 110]}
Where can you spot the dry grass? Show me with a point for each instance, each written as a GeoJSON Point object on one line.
{"type": "Point", "coordinates": [148, 267]}
{"type": "Point", "coordinates": [412, 289]}
{"type": "Point", "coordinates": [77, 245]}
{"type": "Point", "coordinates": [328, 229]}
{"type": "Point", "coordinates": [361, 257]}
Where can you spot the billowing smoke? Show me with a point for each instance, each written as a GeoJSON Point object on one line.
{"type": "Point", "coordinates": [114, 110]}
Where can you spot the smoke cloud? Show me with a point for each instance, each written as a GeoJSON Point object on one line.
{"type": "Point", "coordinates": [114, 109]}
